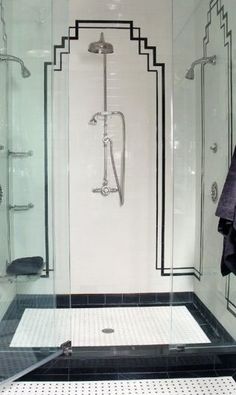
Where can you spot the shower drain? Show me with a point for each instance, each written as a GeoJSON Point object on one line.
{"type": "Point", "coordinates": [108, 330]}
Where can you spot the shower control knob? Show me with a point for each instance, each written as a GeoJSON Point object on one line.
{"type": "Point", "coordinates": [106, 140]}
{"type": "Point", "coordinates": [214, 147]}
{"type": "Point", "coordinates": [105, 190]}
{"type": "Point", "coordinates": [214, 192]}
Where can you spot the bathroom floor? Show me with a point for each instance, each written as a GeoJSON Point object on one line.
{"type": "Point", "coordinates": [198, 386]}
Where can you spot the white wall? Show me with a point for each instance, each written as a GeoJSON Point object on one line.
{"type": "Point", "coordinates": [113, 249]}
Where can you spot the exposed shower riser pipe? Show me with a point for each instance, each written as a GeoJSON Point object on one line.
{"type": "Point", "coordinates": [105, 180]}
{"type": "Point", "coordinates": [105, 81]}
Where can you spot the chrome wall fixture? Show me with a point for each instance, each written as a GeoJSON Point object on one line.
{"type": "Point", "coordinates": [214, 148]}
{"type": "Point", "coordinates": [214, 192]}
{"type": "Point", "coordinates": [104, 48]}
{"type": "Point", "coordinates": [202, 61]}
{"type": "Point", "coordinates": [10, 58]}
{"type": "Point", "coordinates": [24, 207]}
{"type": "Point", "coordinates": [20, 154]}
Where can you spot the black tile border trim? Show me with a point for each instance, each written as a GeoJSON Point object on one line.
{"type": "Point", "coordinates": [122, 299]}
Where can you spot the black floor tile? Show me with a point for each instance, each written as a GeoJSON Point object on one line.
{"type": "Point", "coordinates": [96, 299]}
{"type": "Point", "coordinates": [191, 363]}
{"type": "Point", "coordinates": [142, 376]}
{"type": "Point", "coordinates": [227, 361]}
{"type": "Point", "coordinates": [192, 374]}
{"type": "Point", "coordinates": [113, 299]}
{"type": "Point", "coordinates": [93, 377]}
{"type": "Point", "coordinates": [131, 299]}
{"type": "Point", "coordinates": [225, 372]}
{"type": "Point", "coordinates": [79, 300]}
{"type": "Point", "coordinates": [45, 377]}
{"type": "Point", "coordinates": [148, 298]}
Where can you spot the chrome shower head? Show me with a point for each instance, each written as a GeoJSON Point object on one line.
{"type": "Point", "coordinates": [190, 74]}
{"type": "Point", "coordinates": [101, 47]}
{"type": "Point", "coordinates": [205, 60]}
{"type": "Point", "coordinates": [10, 58]}
{"type": "Point", "coordinates": [25, 72]}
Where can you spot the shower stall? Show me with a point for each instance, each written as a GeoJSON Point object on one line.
{"type": "Point", "coordinates": [116, 137]}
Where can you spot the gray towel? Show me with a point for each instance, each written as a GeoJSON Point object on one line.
{"type": "Point", "coordinates": [26, 266]}
{"type": "Point", "coordinates": [226, 210]}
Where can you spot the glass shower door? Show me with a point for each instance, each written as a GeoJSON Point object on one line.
{"type": "Point", "coordinates": [27, 259]}
{"type": "Point", "coordinates": [204, 136]}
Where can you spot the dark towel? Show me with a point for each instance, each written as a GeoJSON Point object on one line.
{"type": "Point", "coordinates": [25, 266]}
{"type": "Point", "coordinates": [226, 210]}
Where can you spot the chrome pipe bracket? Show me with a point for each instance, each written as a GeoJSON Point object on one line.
{"type": "Point", "coordinates": [19, 154]}
{"type": "Point", "coordinates": [21, 207]}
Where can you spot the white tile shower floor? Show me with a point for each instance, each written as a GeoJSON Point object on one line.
{"type": "Point", "coordinates": [196, 386]}
{"type": "Point", "coordinates": [126, 326]}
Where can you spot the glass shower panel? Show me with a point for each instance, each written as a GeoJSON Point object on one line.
{"type": "Point", "coordinates": [8, 289]}
{"type": "Point", "coordinates": [204, 139]}
{"type": "Point", "coordinates": [28, 264]}
{"type": "Point", "coordinates": [4, 224]}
